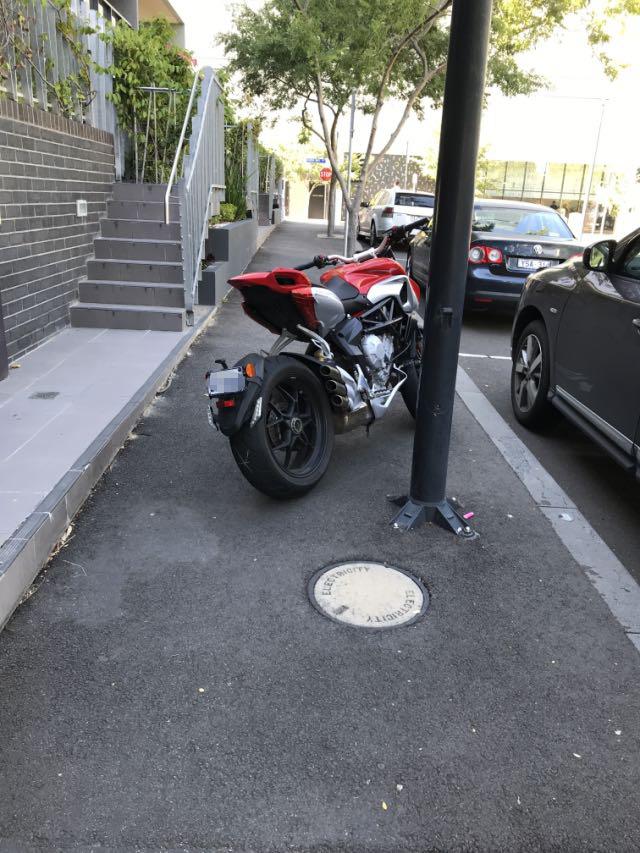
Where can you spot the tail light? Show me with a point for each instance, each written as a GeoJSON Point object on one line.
{"type": "Point", "coordinates": [485, 255]}
{"type": "Point", "coordinates": [388, 211]}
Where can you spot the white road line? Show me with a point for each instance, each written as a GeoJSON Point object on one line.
{"type": "Point", "coordinates": [613, 582]}
{"type": "Point", "coordinates": [484, 355]}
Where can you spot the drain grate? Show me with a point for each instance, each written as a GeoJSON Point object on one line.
{"type": "Point", "coordinates": [368, 595]}
{"type": "Point", "coordinates": [44, 395]}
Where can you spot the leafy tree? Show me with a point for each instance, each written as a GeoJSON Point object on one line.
{"type": "Point", "coordinates": [314, 53]}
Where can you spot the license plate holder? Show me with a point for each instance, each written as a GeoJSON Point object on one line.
{"type": "Point", "coordinates": [223, 382]}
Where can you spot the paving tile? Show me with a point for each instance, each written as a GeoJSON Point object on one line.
{"type": "Point", "coordinates": [22, 420]}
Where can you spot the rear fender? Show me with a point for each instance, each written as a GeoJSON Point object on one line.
{"type": "Point", "coordinates": [230, 420]}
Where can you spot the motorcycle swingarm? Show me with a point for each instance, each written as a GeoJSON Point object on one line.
{"type": "Point", "coordinates": [234, 392]}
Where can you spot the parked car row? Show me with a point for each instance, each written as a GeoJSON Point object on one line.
{"type": "Point", "coordinates": [575, 340]}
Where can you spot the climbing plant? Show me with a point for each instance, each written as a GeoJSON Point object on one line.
{"type": "Point", "coordinates": [146, 57]}
{"type": "Point", "coordinates": [23, 51]}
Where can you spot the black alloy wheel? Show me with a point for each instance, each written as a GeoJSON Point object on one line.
{"type": "Point", "coordinates": [288, 448]}
{"type": "Point", "coordinates": [293, 426]}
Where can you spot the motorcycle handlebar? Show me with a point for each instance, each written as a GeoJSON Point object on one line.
{"type": "Point", "coordinates": [319, 261]}
{"type": "Point", "coordinates": [398, 231]}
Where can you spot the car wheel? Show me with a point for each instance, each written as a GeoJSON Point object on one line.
{"type": "Point", "coordinates": [373, 234]}
{"type": "Point", "coordinates": [530, 376]}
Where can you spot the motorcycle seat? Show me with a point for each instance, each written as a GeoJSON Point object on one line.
{"type": "Point", "coordinates": [351, 298]}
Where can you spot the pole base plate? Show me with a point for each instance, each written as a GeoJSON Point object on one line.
{"type": "Point", "coordinates": [413, 514]}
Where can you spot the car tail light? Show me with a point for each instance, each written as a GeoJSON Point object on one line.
{"type": "Point", "coordinates": [485, 255]}
{"type": "Point", "coordinates": [388, 211]}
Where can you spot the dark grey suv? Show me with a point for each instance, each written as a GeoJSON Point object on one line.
{"type": "Point", "coordinates": [576, 347]}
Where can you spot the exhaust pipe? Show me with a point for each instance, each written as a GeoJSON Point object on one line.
{"type": "Point", "coordinates": [339, 402]}
{"type": "Point", "coordinates": [334, 387]}
{"type": "Point", "coordinates": [330, 373]}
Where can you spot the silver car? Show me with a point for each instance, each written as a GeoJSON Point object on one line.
{"type": "Point", "coordinates": [392, 207]}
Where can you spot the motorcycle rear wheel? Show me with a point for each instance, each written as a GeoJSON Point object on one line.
{"type": "Point", "coordinates": [287, 451]}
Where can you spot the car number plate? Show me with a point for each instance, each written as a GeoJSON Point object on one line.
{"type": "Point", "coordinates": [533, 264]}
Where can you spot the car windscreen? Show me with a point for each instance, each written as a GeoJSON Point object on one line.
{"type": "Point", "coordinates": [520, 222]}
{"type": "Point", "coordinates": [414, 200]}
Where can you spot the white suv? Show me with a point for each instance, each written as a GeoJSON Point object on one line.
{"type": "Point", "coordinates": [392, 207]}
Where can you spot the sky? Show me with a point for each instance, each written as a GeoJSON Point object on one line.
{"type": "Point", "coordinates": [559, 124]}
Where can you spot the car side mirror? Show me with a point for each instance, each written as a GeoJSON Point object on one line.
{"type": "Point", "coordinates": [599, 256]}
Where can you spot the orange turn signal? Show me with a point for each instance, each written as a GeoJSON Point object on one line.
{"type": "Point", "coordinates": [249, 370]}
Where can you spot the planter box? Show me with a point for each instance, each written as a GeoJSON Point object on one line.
{"type": "Point", "coordinates": [232, 245]}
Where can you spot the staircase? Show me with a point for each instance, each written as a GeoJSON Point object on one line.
{"type": "Point", "coordinates": [135, 279]}
{"type": "Point", "coordinates": [146, 265]}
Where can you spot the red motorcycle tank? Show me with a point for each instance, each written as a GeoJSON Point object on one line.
{"type": "Point", "coordinates": [363, 276]}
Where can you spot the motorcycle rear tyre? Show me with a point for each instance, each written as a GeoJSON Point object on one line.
{"type": "Point", "coordinates": [253, 446]}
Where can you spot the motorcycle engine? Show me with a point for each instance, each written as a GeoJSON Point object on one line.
{"type": "Point", "coordinates": [378, 351]}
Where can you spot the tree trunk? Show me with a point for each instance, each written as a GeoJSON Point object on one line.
{"type": "Point", "coordinates": [353, 207]}
{"type": "Point", "coordinates": [331, 207]}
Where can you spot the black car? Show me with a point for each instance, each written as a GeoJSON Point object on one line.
{"type": "Point", "coordinates": [576, 347]}
{"type": "Point", "coordinates": [509, 240]}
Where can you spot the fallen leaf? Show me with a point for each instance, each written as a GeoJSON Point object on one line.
{"type": "Point", "coordinates": [384, 805]}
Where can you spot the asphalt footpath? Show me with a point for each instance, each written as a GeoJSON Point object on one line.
{"type": "Point", "coordinates": [170, 687]}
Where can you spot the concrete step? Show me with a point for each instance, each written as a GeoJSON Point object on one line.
{"type": "Point", "coordinates": [136, 229]}
{"type": "Point", "coordinates": [148, 210]}
{"type": "Point", "coordinates": [164, 272]}
{"type": "Point", "coordinates": [100, 316]}
{"type": "Point", "coordinates": [141, 192]}
{"type": "Point", "coordinates": [131, 293]}
{"type": "Point", "coordinates": [123, 249]}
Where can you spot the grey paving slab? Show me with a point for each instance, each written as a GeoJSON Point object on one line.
{"type": "Point", "coordinates": [94, 374]}
{"type": "Point", "coordinates": [15, 506]}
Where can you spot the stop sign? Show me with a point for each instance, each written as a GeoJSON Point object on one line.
{"type": "Point", "coordinates": [325, 173]}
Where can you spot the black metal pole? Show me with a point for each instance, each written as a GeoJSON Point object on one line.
{"type": "Point", "coordinates": [459, 136]}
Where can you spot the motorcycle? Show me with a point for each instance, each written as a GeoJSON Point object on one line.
{"type": "Point", "coordinates": [281, 409]}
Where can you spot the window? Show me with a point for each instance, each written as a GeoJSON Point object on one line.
{"type": "Point", "coordinates": [520, 222]}
{"type": "Point", "coordinates": [415, 200]}
{"type": "Point", "coordinates": [631, 266]}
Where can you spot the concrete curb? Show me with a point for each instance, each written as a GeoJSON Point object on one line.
{"type": "Point", "coordinates": [615, 585]}
{"type": "Point", "coordinates": [24, 554]}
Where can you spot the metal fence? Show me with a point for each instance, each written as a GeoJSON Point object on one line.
{"type": "Point", "coordinates": [202, 186]}
{"type": "Point", "coordinates": [252, 174]}
{"type": "Point", "coordinates": [53, 60]}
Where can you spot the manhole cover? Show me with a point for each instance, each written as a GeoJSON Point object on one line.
{"type": "Point", "coordinates": [369, 595]}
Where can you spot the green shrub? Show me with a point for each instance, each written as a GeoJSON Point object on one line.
{"type": "Point", "coordinates": [227, 214]}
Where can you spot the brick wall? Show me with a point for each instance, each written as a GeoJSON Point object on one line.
{"type": "Point", "coordinates": [46, 163]}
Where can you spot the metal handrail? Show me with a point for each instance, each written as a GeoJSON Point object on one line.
{"type": "Point", "coordinates": [183, 132]}
{"type": "Point", "coordinates": [201, 187]}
